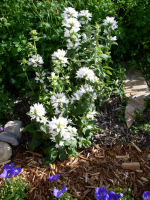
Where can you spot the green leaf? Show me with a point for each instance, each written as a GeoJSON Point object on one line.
{"type": "Point", "coordinates": [63, 154]}
{"type": "Point", "coordinates": [32, 128]}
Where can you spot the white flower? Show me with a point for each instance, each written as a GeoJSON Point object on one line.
{"type": "Point", "coordinates": [58, 123]}
{"type": "Point", "coordinates": [58, 99]}
{"type": "Point", "coordinates": [35, 61]}
{"type": "Point", "coordinates": [40, 77]}
{"type": "Point", "coordinates": [58, 57]}
{"type": "Point", "coordinates": [84, 36]}
{"type": "Point", "coordinates": [88, 74]}
{"type": "Point", "coordinates": [84, 16]}
{"type": "Point", "coordinates": [114, 38]}
{"type": "Point", "coordinates": [53, 74]}
{"type": "Point", "coordinates": [37, 111]}
{"type": "Point", "coordinates": [71, 23]}
{"type": "Point", "coordinates": [82, 90]}
{"type": "Point", "coordinates": [61, 144]}
{"type": "Point", "coordinates": [72, 44]}
{"type": "Point", "coordinates": [91, 115]}
{"type": "Point", "coordinates": [69, 12]}
{"type": "Point", "coordinates": [110, 22]}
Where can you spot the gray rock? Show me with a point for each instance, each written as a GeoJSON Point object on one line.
{"type": "Point", "coordinates": [9, 138]}
{"type": "Point", "coordinates": [14, 128]}
{"type": "Point", "coordinates": [5, 151]}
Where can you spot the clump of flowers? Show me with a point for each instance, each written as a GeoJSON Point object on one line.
{"type": "Point", "coordinates": [102, 194]}
{"type": "Point", "coordinates": [10, 170]}
{"type": "Point", "coordinates": [36, 61]}
{"type": "Point", "coordinates": [71, 91]}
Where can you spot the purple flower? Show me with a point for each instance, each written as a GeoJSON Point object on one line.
{"type": "Point", "coordinates": [146, 195]}
{"type": "Point", "coordinates": [58, 193]}
{"type": "Point", "coordinates": [54, 178]}
{"type": "Point", "coordinates": [113, 196]}
{"type": "Point", "coordinates": [1, 129]}
{"type": "Point", "coordinates": [9, 171]}
{"type": "Point", "coordinates": [120, 195]}
{"type": "Point", "coordinates": [101, 194]}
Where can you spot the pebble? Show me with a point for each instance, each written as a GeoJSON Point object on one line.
{"type": "Point", "coordinates": [5, 151]}
{"type": "Point", "coordinates": [14, 128]}
{"type": "Point", "coordinates": [9, 138]}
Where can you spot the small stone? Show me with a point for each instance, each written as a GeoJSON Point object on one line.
{"type": "Point", "coordinates": [144, 179]}
{"type": "Point", "coordinates": [14, 128]}
{"type": "Point", "coordinates": [5, 151]}
{"type": "Point", "coordinates": [9, 138]}
{"type": "Point", "coordinates": [131, 166]}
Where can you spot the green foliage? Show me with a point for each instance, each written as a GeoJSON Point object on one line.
{"type": "Point", "coordinates": [134, 40]}
{"type": "Point", "coordinates": [14, 189]}
{"type": "Point", "coordinates": [6, 104]}
{"type": "Point", "coordinates": [65, 196]}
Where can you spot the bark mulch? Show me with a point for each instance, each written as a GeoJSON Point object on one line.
{"type": "Point", "coordinates": [94, 167]}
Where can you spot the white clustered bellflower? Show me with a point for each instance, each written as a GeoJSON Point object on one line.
{"type": "Point", "coordinates": [35, 61]}
{"type": "Point", "coordinates": [57, 101]}
{"type": "Point", "coordinates": [84, 16]}
{"type": "Point", "coordinates": [88, 74]}
{"type": "Point", "coordinates": [110, 22]}
{"type": "Point", "coordinates": [58, 57]}
{"type": "Point", "coordinates": [82, 90]}
{"type": "Point", "coordinates": [69, 12]}
{"type": "Point", "coordinates": [60, 126]}
{"type": "Point", "coordinates": [71, 27]}
{"type": "Point", "coordinates": [91, 115]}
{"type": "Point", "coordinates": [40, 77]}
{"type": "Point", "coordinates": [37, 112]}
{"type": "Point", "coordinates": [72, 23]}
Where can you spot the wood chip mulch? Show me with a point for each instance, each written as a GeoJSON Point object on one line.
{"type": "Point", "coordinates": [94, 167]}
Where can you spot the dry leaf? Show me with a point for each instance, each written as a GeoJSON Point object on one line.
{"type": "Point", "coordinates": [136, 89]}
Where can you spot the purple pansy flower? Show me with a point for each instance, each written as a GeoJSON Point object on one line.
{"type": "Point", "coordinates": [113, 196]}
{"type": "Point", "coordinates": [54, 178]}
{"type": "Point", "coordinates": [101, 194]}
{"type": "Point", "coordinates": [58, 193]}
{"type": "Point", "coordinates": [9, 171]}
{"type": "Point", "coordinates": [146, 195]}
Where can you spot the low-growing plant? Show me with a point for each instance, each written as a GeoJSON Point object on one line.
{"type": "Point", "coordinates": [14, 188]}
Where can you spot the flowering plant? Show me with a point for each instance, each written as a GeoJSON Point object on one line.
{"type": "Point", "coordinates": [71, 91]}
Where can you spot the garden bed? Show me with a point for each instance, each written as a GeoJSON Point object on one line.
{"type": "Point", "coordinates": [94, 167]}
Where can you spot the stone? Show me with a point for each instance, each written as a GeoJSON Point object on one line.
{"type": "Point", "coordinates": [5, 151]}
{"type": "Point", "coordinates": [9, 138]}
{"type": "Point", "coordinates": [131, 166]}
{"type": "Point", "coordinates": [14, 128]}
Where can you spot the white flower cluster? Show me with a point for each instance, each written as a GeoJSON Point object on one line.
{"type": "Point", "coordinates": [88, 74]}
{"type": "Point", "coordinates": [36, 61]}
{"type": "Point", "coordinates": [60, 127]}
{"type": "Point", "coordinates": [58, 100]}
{"type": "Point", "coordinates": [40, 77]}
{"type": "Point", "coordinates": [91, 115]}
{"type": "Point", "coordinates": [37, 112]}
{"type": "Point", "coordinates": [72, 25]}
{"type": "Point", "coordinates": [82, 90]}
{"type": "Point", "coordinates": [58, 57]}
{"type": "Point", "coordinates": [112, 38]}
{"type": "Point", "coordinates": [84, 16]}
{"type": "Point", "coordinates": [110, 22]}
